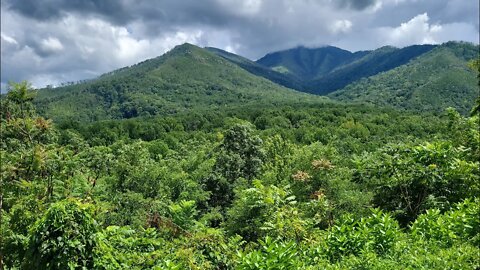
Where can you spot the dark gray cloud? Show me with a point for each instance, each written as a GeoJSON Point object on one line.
{"type": "Point", "coordinates": [121, 12]}
{"type": "Point", "coordinates": [116, 11]}
{"type": "Point", "coordinates": [356, 4]}
{"type": "Point", "coordinates": [51, 41]}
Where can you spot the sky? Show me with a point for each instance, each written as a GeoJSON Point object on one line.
{"type": "Point", "coordinates": [53, 41]}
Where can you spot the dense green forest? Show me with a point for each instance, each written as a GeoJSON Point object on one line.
{"type": "Point", "coordinates": [347, 75]}
{"type": "Point", "coordinates": [283, 182]}
{"type": "Point", "coordinates": [437, 79]}
{"type": "Point", "coordinates": [422, 78]}
{"type": "Point", "coordinates": [186, 78]}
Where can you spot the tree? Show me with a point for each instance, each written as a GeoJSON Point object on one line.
{"type": "Point", "coordinates": [22, 139]}
{"type": "Point", "coordinates": [19, 98]}
{"type": "Point", "coordinates": [410, 179]}
{"type": "Point", "coordinates": [262, 210]}
{"type": "Point", "coordinates": [241, 156]}
{"type": "Point", "coordinates": [475, 65]}
{"type": "Point", "coordinates": [63, 238]}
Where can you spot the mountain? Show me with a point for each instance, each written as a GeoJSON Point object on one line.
{"type": "Point", "coordinates": [372, 63]}
{"type": "Point", "coordinates": [308, 63]}
{"type": "Point", "coordinates": [259, 70]}
{"type": "Point", "coordinates": [419, 77]}
{"type": "Point", "coordinates": [433, 81]}
{"type": "Point", "coordinates": [324, 70]}
{"type": "Point", "coordinates": [187, 77]}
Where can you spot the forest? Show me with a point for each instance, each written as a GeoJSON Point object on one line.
{"type": "Point", "coordinates": [317, 185]}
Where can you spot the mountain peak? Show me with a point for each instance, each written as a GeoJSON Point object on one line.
{"type": "Point", "coordinates": [187, 77]}
{"type": "Point", "coordinates": [184, 48]}
{"type": "Point", "coordinates": [307, 63]}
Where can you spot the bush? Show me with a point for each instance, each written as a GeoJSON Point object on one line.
{"type": "Point", "coordinates": [272, 254]}
{"type": "Point", "coordinates": [462, 223]}
{"type": "Point", "coordinates": [63, 238]}
{"type": "Point", "coordinates": [377, 233]}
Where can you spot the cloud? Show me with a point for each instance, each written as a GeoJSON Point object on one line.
{"type": "Point", "coordinates": [9, 39]}
{"type": "Point", "coordinates": [419, 30]}
{"type": "Point", "coordinates": [247, 7]}
{"type": "Point", "coordinates": [55, 9]}
{"type": "Point", "coordinates": [356, 4]}
{"type": "Point", "coordinates": [415, 31]}
{"type": "Point", "coordinates": [341, 26]}
{"type": "Point", "coordinates": [51, 45]}
{"type": "Point", "coordinates": [54, 41]}
{"type": "Point", "coordinates": [81, 49]}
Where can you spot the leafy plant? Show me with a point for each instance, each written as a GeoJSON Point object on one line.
{"type": "Point", "coordinates": [64, 238]}
{"type": "Point", "coordinates": [377, 233]}
{"type": "Point", "coordinates": [272, 254]}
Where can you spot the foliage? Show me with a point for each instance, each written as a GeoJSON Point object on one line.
{"type": "Point", "coordinates": [373, 62]}
{"type": "Point", "coordinates": [408, 180]}
{"type": "Point", "coordinates": [63, 238]}
{"type": "Point", "coordinates": [186, 78]}
{"type": "Point", "coordinates": [272, 254]}
{"type": "Point", "coordinates": [261, 210]}
{"type": "Point", "coordinates": [377, 233]}
{"type": "Point", "coordinates": [460, 223]}
{"type": "Point", "coordinates": [308, 63]}
{"type": "Point", "coordinates": [240, 157]}
{"type": "Point", "coordinates": [433, 81]}
{"type": "Point", "coordinates": [250, 187]}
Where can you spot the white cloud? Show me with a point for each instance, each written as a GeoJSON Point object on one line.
{"type": "Point", "coordinates": [419, 30]}
{"type": "Point", "coordinates": [230, 49]}
{"type": "Point", "coordinates": [341, 26]}
{"type": "Point", "coordinates": [8, 39]}
{"type": "Point", "coordinates": [51, 44]}
{"type": "Point", "coordinates": [89, 46]}
{"type": "Point", "coordinates": [456, 31]}
{"type": "Point", "coordinates": [415, 31]}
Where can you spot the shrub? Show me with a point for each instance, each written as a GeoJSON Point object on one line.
{"type": "Point", "coordinates": [376, 233]}
{"type": "Point", "coordinates": [63, 238]}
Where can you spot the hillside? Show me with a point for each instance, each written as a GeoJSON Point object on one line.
{"type": "Point", "coordinates": [431, 82]}
{"type": "Point", "coordinates": [419, 77]}
{"type": "Point", "coordinates": [284, 79]}
{"type": "Point", "coordinates": [187, 77]}
{"type": "Point", "coordinates": [308, 63]}
{"type": "Point", "coordinates": [318, 186]}
{"type": "Point", "coordinates": [379, 60]}
{"type": "Point", "coordinates": [324, 70]}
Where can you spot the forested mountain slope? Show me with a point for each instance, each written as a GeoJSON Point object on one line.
{"type": "Point", "coordinates": [374, 62]}
{"type": "Point", "coordinates": [309, 63]}
{"type": "Point", "coordinates": [435, 80]}
{"type": "Point", "coordinates": [285, 79]}
{"type": "Point", "coordinates": [186, 77]}
{"type": "Point", "coordinates": [414, 77]}
{"type": "Point", "coordinates": [326, 69]}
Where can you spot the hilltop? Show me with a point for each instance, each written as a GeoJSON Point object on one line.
{"type": "Point", "coordinates": [435, 80]}
{"type": "Point", "coordinates": [187, 77]}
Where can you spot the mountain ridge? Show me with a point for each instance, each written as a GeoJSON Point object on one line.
{"type": "Point", "coordinates": [308, 63]}
{"type": "Point", "coordinates": [438, 79]}
{"type": "Point", "coordinates": [184, 78]}
{"type": "Point", "coordinates": [209, 78]}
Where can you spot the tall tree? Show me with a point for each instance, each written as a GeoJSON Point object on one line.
{"type": "Point", "coordinates": [241, 156]}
